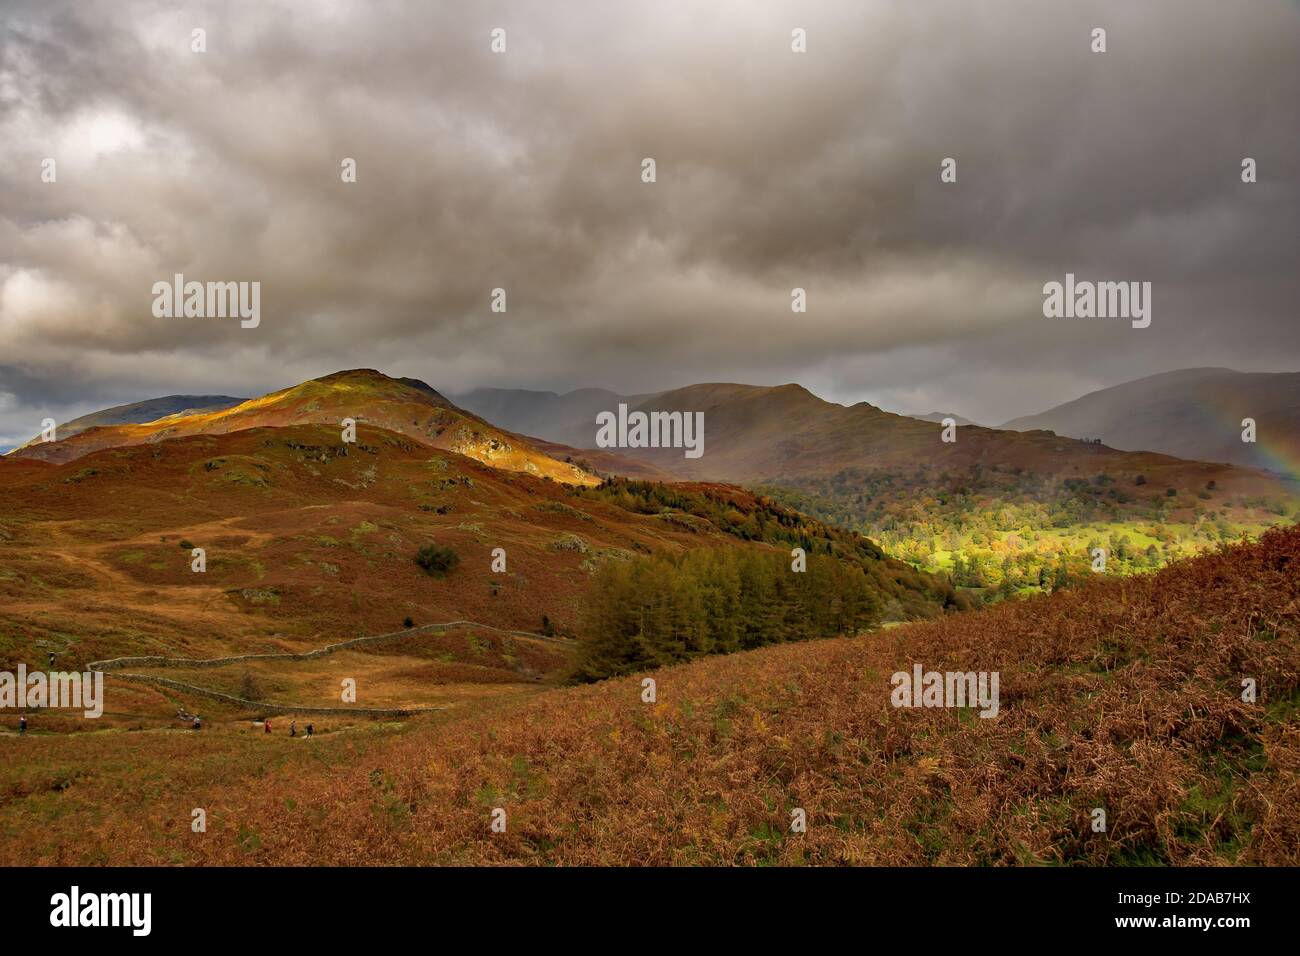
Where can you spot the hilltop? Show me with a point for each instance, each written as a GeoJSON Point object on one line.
{"type": "Point", "coordinates": [372, 399]}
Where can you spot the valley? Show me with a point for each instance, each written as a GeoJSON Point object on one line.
{"type": "Point", "coordinates": [1003, 513]}
{"type": "Point", "coordinates": [456, 581]}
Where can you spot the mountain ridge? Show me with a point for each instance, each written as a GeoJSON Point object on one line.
{"type": "Point", "coordinates": [407, 406]}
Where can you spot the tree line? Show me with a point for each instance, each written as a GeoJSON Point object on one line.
{"type": "Point", "coordinates": [662, 609]}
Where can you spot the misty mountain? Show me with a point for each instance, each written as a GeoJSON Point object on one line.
{"type": "Point", "coordinates": [1190, 413]}
{"type": "Point", "coordinates": [760, 433]}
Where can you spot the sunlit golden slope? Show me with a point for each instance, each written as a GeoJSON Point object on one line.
{"type": "Point", "coordinates": [370, 398]}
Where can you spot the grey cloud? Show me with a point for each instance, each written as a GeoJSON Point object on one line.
{"type": "Point", "coordinates": [522, 171]}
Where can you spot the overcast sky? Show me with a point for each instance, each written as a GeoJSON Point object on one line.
{"type": "Point", "coordinates": [522, 170]}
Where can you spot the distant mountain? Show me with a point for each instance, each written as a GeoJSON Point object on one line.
{"type": "Point", "coordinates": [149, 410]}
{"type": "Point", "coordinates": [940, 416]}
{"type": "Point", "coordinates": [407, 406]}
{"type": "Point", "coordinates": [1191, 413]}
{"type": "Point", "coordinates": [761, 433]}
{"type": "Point", "coordinates": [785, 435]}
{"type": "Point", "coordinates": [567, 419]}
{"type": "Point", "coordinates": [1017, 511]}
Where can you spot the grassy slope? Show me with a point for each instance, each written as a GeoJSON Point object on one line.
{"type": "Point", "coordinates": [310, 542]}
{"type": "Point", "coordinates": [1122, 695]}
{"type": "Point", "coordinates": [305, 544]}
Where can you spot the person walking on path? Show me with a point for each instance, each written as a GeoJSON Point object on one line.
{"type": "Point", "coordinates": [266, 725]}
{"type": "Point", "coordinates": [22, 724]}
{"type": "Point", "coordinates": [309, 730]}
{"type": "Point", "coordinates": [293, 728]}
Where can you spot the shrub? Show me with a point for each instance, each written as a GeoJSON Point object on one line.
{"type": "Point", "coordinates": [249, 688]}
{"type": "Point", "coordinates": [436, 560]}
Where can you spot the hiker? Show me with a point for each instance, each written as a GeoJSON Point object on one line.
{"type": "Point", "coordinates": [309, 730]}
{"type": "Point", "coordinates": [266, 725]}
{"type": "Point", "coordinates": [51, 658]}
{"type": "Point", "coordinates": [22, 724]}
{"type": "Point", "coordinates": [197, 724]}
{"type": "Point", "coordinates": [293, 728]}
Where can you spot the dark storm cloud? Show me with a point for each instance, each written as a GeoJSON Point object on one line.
{"type": "Point", "coordinates": [521, 170]}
